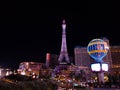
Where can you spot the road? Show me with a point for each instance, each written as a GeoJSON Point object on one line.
{"type": "Point", "coordinates": [106, 88]}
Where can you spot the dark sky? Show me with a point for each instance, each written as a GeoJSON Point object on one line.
{"type": "Point", "coordinates": [28, 32]}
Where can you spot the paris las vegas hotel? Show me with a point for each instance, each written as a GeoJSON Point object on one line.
{"type": "Point", "coordinates": [112, 58]}
{"type": "Point", "coordinates": [81, 57]}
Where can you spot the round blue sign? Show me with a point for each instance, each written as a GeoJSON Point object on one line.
{"type": "Point", "coordinates": [97, 49]}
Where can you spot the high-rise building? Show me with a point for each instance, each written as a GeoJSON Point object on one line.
{"type": "Point", "coordinates": [47, 59]}
{"type": "Point", "coordinates": [82, 57]}
{"type": "Point", "coordinates": [51, 60]}
{"type": "Point", "coordinates": [108, 58]}
{"type": "Point", "coordinates": [115, 54]}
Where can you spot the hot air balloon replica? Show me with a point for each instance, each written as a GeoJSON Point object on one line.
{"type": "Point", "coordinates": [97, 49]}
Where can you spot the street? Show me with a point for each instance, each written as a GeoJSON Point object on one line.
{"type": "Point", "coordinates": [106, 89]}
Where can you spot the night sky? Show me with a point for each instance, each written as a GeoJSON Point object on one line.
{"type": "Point", "coordinates": [27, 33]}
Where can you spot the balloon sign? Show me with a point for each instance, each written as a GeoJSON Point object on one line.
{"type": "Point", "coordinates": [97, 49]}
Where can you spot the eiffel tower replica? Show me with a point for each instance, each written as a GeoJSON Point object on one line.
{"type": "Point", "coordinates": [63, 59]}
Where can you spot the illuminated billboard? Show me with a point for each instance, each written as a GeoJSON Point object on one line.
{"type": "Point", "coordinates": [98, 67]}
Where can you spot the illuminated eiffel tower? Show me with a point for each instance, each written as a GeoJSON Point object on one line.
{"type": "Point", "coordinates": [63, 57]}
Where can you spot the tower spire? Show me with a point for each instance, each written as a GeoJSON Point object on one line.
{"type": "Point", "coordinates": [63, 58]}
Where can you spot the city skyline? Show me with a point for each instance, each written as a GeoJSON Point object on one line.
{"type": "Point", "coordinates": [28, 37]}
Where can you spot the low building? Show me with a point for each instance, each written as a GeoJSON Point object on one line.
{"type": "Point", "coordinates": [29, 68]}
{"type": "Point", "coordinates": [5, 72]}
